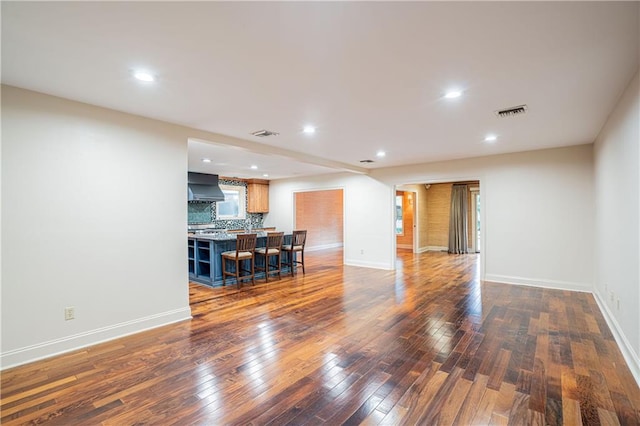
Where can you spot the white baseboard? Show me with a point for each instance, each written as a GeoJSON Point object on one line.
{"type": "Point", "coordinates": [436, 248]}
{"type": "Point", "coordinates": [557, 285]}
{"type": "Point", "coordinates": [632, 358]}
{"type": "Point", "coordinates": [55, 347]}
{"type": "Point", "coordinates": [323, 247]}
{"type": "Point", "coordinates": [404, 246]}
{"type": "Point", "coordinates": [432, 248]}
{"type": "Point", "coordinates": [365, 264]}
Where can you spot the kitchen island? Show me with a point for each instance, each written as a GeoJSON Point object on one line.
{"type": "Point", "coordinates": [205, 260]}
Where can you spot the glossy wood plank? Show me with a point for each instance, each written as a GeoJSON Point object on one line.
{"type": "Point", "coordinates": [425, 344]}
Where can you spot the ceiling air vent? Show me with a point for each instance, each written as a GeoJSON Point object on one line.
{"type": "Point", "coordinates": [366, 161]}
{"type": "Point", "coordinates": [512, 112]}
{"type": "Point", "coordinates": [264, 133]}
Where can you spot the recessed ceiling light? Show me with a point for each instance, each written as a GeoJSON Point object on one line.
{"type": "Point", "coordinates": [265, 175]}
{"type": "Point", "coordinates": [380, 154]}
{"type": "Point", "coordinates": [206, 160]}
{"type": "Point", "coordinates": [490, 138]}
{"type": "Point", "coordinates": [309, 129]}
{"type": "Point", "coordinates": [144, 76]}
{"type": "Point", "coordinates": [254, 167]}
{"type": "Point", "coordinates": [452, 94]}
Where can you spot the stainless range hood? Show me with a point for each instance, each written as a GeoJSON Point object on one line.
{"type": "Point", "coordinates": [204, 187]}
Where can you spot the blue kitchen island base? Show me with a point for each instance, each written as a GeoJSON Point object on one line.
{"type": "Point", "coordinates": [205, 260]}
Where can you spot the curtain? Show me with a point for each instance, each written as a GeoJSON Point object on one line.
{"type": "Point", "coordinates": [458, 240]}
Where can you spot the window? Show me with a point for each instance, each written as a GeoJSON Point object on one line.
{"type": "Point", "coordinates": [234, 204]}
{"type": "Point", "coordinates": [399, 223]}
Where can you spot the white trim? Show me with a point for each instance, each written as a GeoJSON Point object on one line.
{"type": "Point", "coordinates": [414, 243]}
{"type": "Point", "coordinates": [629, 355]}
{"type": "Point", "coordinates": [436, 248]}
{"type": "Point", "coordinates": [475, 193]}
{"type": "Point", "coordinates": [536, 282]}
{"type": "Point", "coordinates": [366, 264]}
{"type": "Point", "coordinates": [323, 247]}
{"type": "Point", "coordinates": [89, 338]}
{"type": "Point", "coordinates": [422, 249]}
{"type": "Point", "coordinates": [404, 246]}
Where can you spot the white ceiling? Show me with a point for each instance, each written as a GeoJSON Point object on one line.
{"type": "Point", "coordinates": [369, 75]}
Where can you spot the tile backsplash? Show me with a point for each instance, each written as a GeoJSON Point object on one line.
{"type": "Point", "coordinates": [205, 212]}
{"type": "Point", "coordinates": [200, 212]}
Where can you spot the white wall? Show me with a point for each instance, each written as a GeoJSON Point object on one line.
{"type": "Point", "coordinates": [368, 214]}
{"type": "Point", "coordinates": [94, 217]}
{"type": "Point", "coordinates": [538, 213]}
{"type": "Point", "coordinates": [617, 188]}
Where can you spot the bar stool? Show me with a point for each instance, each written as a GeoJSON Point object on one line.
{"type": "Point", "coordinates": [245, 247]}
{"type": "Point", "coordinates": [272, 249]}
{"type": "Point", "coordinates": [298, 240]}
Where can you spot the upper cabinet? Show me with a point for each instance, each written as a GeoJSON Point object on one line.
{"type": "Point", "coordinates": [258, 196]}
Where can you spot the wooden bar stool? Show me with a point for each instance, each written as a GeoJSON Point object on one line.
{"type": "Point", "coordinates": [272, 249]}
{"type": "Point", "coordinates": [298, 240]}
{"type": "Point", "coordinates": [245, 248]}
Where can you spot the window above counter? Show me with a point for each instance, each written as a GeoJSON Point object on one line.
{"type": "Point", "coordinates": [234, 205]}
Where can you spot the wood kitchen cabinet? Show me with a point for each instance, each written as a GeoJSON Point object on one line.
{"type": "Point", "coordinates": [258, 196]}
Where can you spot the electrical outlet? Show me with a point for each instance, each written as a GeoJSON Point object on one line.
{"type": "Point", "coordinates": [618, 304]}
{"type": "Point", "coordinates": [69, 313]}
{"type": "Point", "coordinates": [611, 296]}
{"type": "Point", "coordinates": [361, 251]}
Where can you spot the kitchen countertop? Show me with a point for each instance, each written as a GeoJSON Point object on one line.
{"type": "Point", "coordinates": [221, 236]}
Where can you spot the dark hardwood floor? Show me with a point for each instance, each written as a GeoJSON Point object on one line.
{"type": "Point", "coordinates": [426, 344]}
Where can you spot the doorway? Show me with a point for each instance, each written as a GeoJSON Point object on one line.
{"type": "Point", "coordinates": [405, 220]}
{"type": "Point", "coordinates": [321, 213]}
{"type": "Point", "coordinates": [422, 216]}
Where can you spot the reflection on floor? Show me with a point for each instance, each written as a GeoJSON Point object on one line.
{"type": "Point", "coordinates": [425, 344]}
